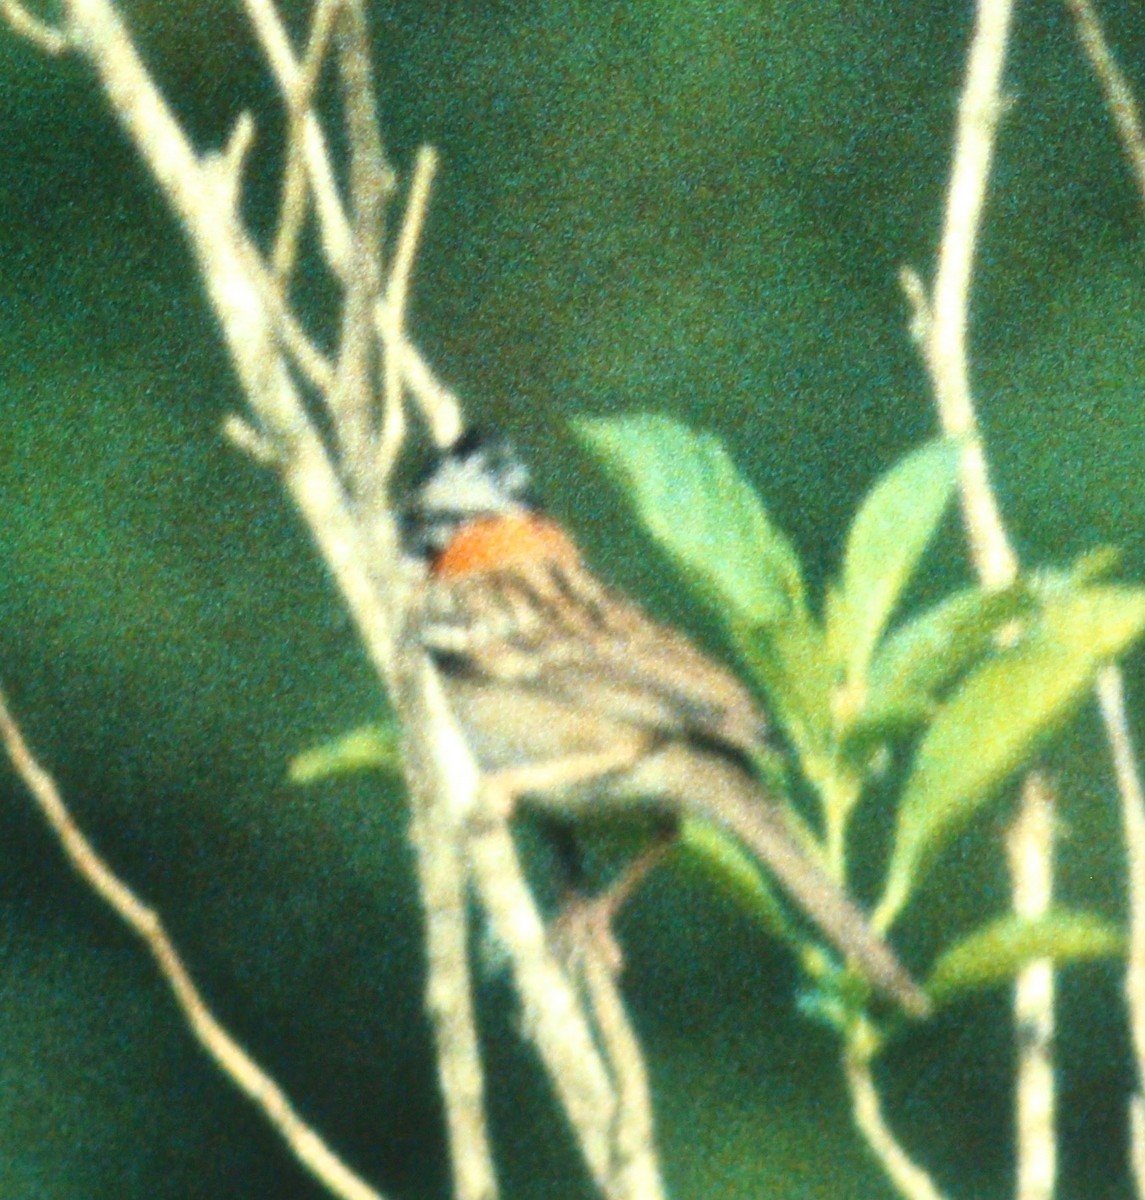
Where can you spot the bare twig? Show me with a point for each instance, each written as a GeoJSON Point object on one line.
{"type": "Point", "coordinates": [1111, 697]}
{"type": "Point", "coordinates": [441, 802]}
{"type": "Point", "coordinates": [941, 329]}
{"type": "Point", "coordinates": [229, 165]}
{"type": "Point", "coordinates": [1030, 849]}
{"type": "Point", "coordinates": [243, 436]}
{"type": "Point", "coordinates": [910, 1180]}
{"type": "Point", "coordinates": [353, 399]}
{"type": "Point", "coordinates": [333, 224]}
{"type": "Point", "coordinates": [293, 202]}
{"type": "Point", "coordinates": [302, 1139]}
{"type": "Point", "coordinates": [355, 530]}
{"type": "Point", "coordinates": [438, 403]}
{"type": "Point", "coordinates": [40, 33]}
{"type": "Point", "coordinates": [389, 321]}
{"type": "Point", "coordinates": [1124, 109]}
{"type": "Point", "coordinates": [1119, 98]}
{"type": "Point", "coordinates": [316, 368]}
{"type": "Point", "coordinates": [397, 287]}
{"type": "Point", "coordinates": [979, 110]}
{"type": "Point", "coordinates": [637, 1166]}
{"type": "Point", "coordinates": [553, 1019]}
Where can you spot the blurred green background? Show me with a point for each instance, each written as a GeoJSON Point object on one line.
{"type": "Point", "coordinates": [693, 207]}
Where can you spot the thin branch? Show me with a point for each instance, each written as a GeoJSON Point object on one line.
{"type": "Point", "coordinates": [316, 368]}
{"type": "Point", "coordinates": [46, 37]}
{"type": "Point", "coordinates": [353, 398]}
{"type": "Point", "coordinates": [333, 223]}
{"type": "Point", "coordinates": [941, 326]}
{"type": "Point", "coordinates": [1030, 851]}
{"type": "Point", "coordinates": [1123, 107]}
{"type": "Point", "coordinates": [243, 436]}
{"type": "Point", "coordinates": [553, 1019]}
{"type": "Point", "coordinates": [228, 165]}
{"type": "Point", "coordinates": [1111, 697]}
{"type": "Point", "coordinates": [389, 321]}
{"type": "Point", "coordinates": [302, 1139]}
{"type": "Point", "coordinates": [293, 201]}
{"type": "Point", "coordinates": [443, 783]}
{"type": "Point", "coordinates": [979, 110]}
{"type": "Point", "coordinates": [439, 405]}
{"type": "Point", "coordinates": [401, 269]}
{"type": "Point", "coordinates": [437, 402]}
{"type": "Point", "coordinates": [637, 1165]}
{"type": "Point", "coordinates": [1119, 98]}
{"type": "Point", "coordinates": [909, 1179]}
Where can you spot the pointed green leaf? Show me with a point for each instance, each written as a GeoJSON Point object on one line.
{"type": "Point", "coordinates": [996, 953]}
{"type": "Point", "coordinates": [921, 658]}
{"type": "Point", "coordinates": [789, 660]}
{"type": "Point", "coordinates": [891, 530]}
{"type": "Point", "coordinates": [697, 505]}
{"type": "Point", "coordinates": [996, 717]}
{"type": "Point", "coordinates": [1095, 565]}
{"type": "Point", "coordinates": [374, 747]}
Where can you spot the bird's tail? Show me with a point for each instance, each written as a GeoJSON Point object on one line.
{"type": "Point", "coordinates": [717, 790]}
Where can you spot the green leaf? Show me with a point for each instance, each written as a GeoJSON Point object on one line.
{"type": "Point", "coordinates": [724, 862]}
{"type": "Point", "coordinates": [697, 505]}
{"type": "Point", "coordinates": [891, 530]}
{"type": "Point", "coordinates": [1095, 565]}
{"type": "Point", "coordinates": [703, 512]}
{"type": "Point", "coordinates": [374, 747]}
{"type": "Point", "coordinates": [997, 716]}
{"type": "Point", "coordinates": [921, 658]}
{"type": "Point", "coordinates": [789, 659]}
{"type": "Point", "coordinates": [996, 953]}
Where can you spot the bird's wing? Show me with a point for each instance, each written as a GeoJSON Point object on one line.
{"type": "Point", "coordinates": [555, 627]}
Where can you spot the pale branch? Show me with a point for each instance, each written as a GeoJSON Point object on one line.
{"type": "Point", "coordinates": [1126, 114]}
{"type": "Point", "coordinates": [46, 37]}
{"type": "Point", "coordinates": [440, 804]}
{"type": "Point", "coordinates": [979, 111]}
{"type": "Point", "coordinates": [352, 399]}
{"type": "Point", "coordinates": [303, 1141]}
{"type": "Point", "coordinates": [637, 1162]}
{"type": "Point", "coordinates": [442, 412]}
{"type": "Point", "coordinates": [244, 437]}
{"type": "Point", "coordinates": [1119, 98]}
{"type": "Point", "coordinates": [1029, 845]}
{"type": "Point", "coordinates": [359, 543]}
{"type": "Point", "coordinates": [553, 1019]}
{"type": "Point", "coordinates": [438, 404]}
{"type": "Point", "coordinates": [231, 162]}
{"type": "Point", "coordinates": [941, 326]}
{"type": "Point", "coordinates": [333, 224]}
{"type": "Point", "coordinates": [315, 367]}
{"type": "Point", "coordinates": [908, 1178]}
{"type": "Point", "coordinates": [1111, 697]}
{"type": "Point", "coordinates": [293, 202]}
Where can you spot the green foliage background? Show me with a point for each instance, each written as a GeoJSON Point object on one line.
{"type": "Point", "coordinates": [694, 207]}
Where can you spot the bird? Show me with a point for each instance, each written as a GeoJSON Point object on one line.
{"type": "Point", "coordinates": [579, 704]}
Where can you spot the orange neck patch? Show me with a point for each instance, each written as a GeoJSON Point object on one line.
{"type": "Point", "coordinates": [502, 542]}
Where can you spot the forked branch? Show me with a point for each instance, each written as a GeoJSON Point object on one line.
{"type": "Point", "coordinates": [303, 1139]}
{"type": "Point", "coordinates": [340, 489]}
